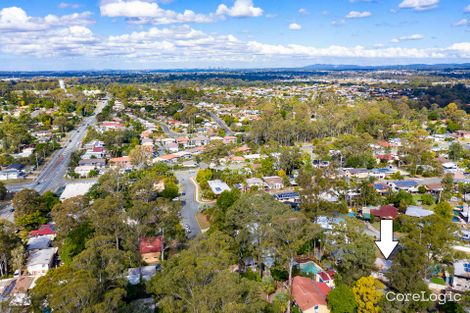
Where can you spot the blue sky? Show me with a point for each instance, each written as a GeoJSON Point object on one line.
{"type": "Point", "coordinates": [154, 34]}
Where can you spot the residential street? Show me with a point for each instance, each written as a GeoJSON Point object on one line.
{"type": "Point", "coordinates": [221, 123]}
{"type": "Point", "coordinates": [52, 175]}
{"type": "Point", "coordinates": [191, 206]}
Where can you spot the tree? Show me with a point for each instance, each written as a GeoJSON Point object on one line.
{"type": "Point", "coordinates": [408, 270]}
{"type": "Point", "coordinates": [288, 234]}
{"type": "Point", "coordinates": [354, 250]}
{"type": "Point", "coordinates": [251, 216]}
{"type": "Point", "coordinates": [368, 293]}
{"type": "Point", "coordinates": [448, 187]}
{"type": "Point", "coordinates": [30, 209]}
{"type": "Point", "coordinates": [66, 290]}
{"type": "Point", "coordinates": [368, 195]}
{"type": "Point", "coordinates": [103, 259]}
{"type": "Point", "coordinates": [290, 159]}
{"type": "Point", "coordinates": [342, 300]}
{"type": "Point", "coordinates": [198, 279]}
{"type": "Point", "coordinates": [401, 200]}
{"type": "Point", "coordinates": [171, 190]}
{"type": "Point", "coordinates": [3, 191]}
{"type": "Point", "coordinates": [444, 210]}
{"type": "Point", "coordinates": [69, 215]}
{"type": "Point", "coordinates": [140, 157]}
{"type": "Point", "coordinates": [107, 217]}
{"type": "Point", "coordinates": [74, 242]}
{"type": "Point", "coordinates": [227, 198]}
{"type": "Point", "coordinates": [8, 242]}
{"type": "Point", "coordinates": [455, 151]}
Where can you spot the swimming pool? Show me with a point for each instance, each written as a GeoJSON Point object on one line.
{"type": "Point", "coordinates": [309, 268]}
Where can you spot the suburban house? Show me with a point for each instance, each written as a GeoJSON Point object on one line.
{"type": "Point", "coordinates": [461, 279]}
{"type": "Point", "coordinates": [111, 125]}
{"type": "Point", "coordinates": [75, 189]}
{"type": "Point", "coordinates": [406, 185]}
{"type": "Point", "coordinates": [417, 211]}
{"type": "Point", "coordinates": [171, 146]}
{"type": "Point", "coordinates": [217, 186]}
{"type": "Point", "coordinates": [8, 174]}
{"type": "Point", "coordinates": [151, 249]}
{"type": "Point", "coordinates": [46, 230]}
{"type": "Point", "coordinates": [309, 295]}
{"type": "Point", "coordinates": [386, 212]}
{"type": "Point", "coordinates": [254, 182]}
{"type": "Point", "coordinates": [273, 182]}
{"type": "Point", "coordinates": [97, 163]}
{"type": "Point", "coordinates": [40, 261]}
{"type": "Point", "coordinates": [199, 141]}
{"type": "Point", "coordinates": [356, 172]}
{"type": "Point", "coordinates": [287, 197]}
{"type": "Point", "coordinates": [38, 243]}
{"type": "Point", "coordinates": [121, 162]}
{"type": "Point", "coordinates": [230, 139]}
{"type": "Point", "coordinates": [141, 274]}
{"type": "Point", "coordinates": [95, 153]}
{"type": "Point", "coordinates": [84, 170]}
{"type": "Point", "coordinates": [382, 188]}
{"type": "Point", "coordinates": [14, 171]}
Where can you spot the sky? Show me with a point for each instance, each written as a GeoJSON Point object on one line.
{"type": "Point", "coordinates": [180, 34]}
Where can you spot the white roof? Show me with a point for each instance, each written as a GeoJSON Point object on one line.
{"type": "Point", "coordinates": [76, 189]}
{"type": "Point", "coordinates": [217, 186]}
{"type": "Point", "coordinates": [39, 257]}
{"type": "Point", "coordinates": [38, 243]}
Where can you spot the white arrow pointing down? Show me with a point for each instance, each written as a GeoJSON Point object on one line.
{"type": "Point", "coordinates": [386, 244]}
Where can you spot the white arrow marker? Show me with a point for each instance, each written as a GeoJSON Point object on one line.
{"type": "Point", "coordinates": [386, 243]}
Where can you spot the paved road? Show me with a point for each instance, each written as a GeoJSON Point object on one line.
{"type": "Point", "coordinates": [52, 175]}
{"type": "Point", "coordinates": [191, 206]}
{"type": "Point", "coordinates": [7, 214]}
{"type": "Point", "coordinates": [221, 123]}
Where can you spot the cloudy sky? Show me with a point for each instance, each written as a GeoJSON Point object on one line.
{"type": "Point", "coordinates": [166, 34]}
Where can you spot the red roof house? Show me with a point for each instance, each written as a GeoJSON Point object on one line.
{"type": "Point", "coordinates": [150, 249]}
{"type": "Point", "coordinates": [44, 230]}
{"type": "Point", "coordinates": [309, 294]}
{"type": "Point", "coordinates": [388, 212]}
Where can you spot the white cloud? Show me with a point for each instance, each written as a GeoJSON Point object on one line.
{"type": "Point", "coordinates": [61, 37]}
{"type": "Point", "coordinates": [462, 22]}
{"type": "Point", "coordinates": [339, 22]}
{"type": "Point", "coordinates": [295, 26]}
{"type": "Point", "coordinates": [15, 19]}
{"type": "Point", "coordinates": [418, 5]}
{"type": "Point", "coordinates": [407, 38]}
{"type": "Point", "coordinates": [134, 8]}
{"type": "Point", "coordinates": [143, 12]}
{"type": "Point", "coordinates": [358, 14]}
{"type": "Point", "coordinates": [68, 5]}
{"type": "Point", "coordinates": [241, 8]}
{"type": "Point", "coordinates": [303, 11]}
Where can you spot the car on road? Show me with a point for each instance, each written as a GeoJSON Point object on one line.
{"type": "Point", "coordinates": [12, 210]}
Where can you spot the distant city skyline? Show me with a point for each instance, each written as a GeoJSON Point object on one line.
{"type": "Point", "coordinates": [177, 34]}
